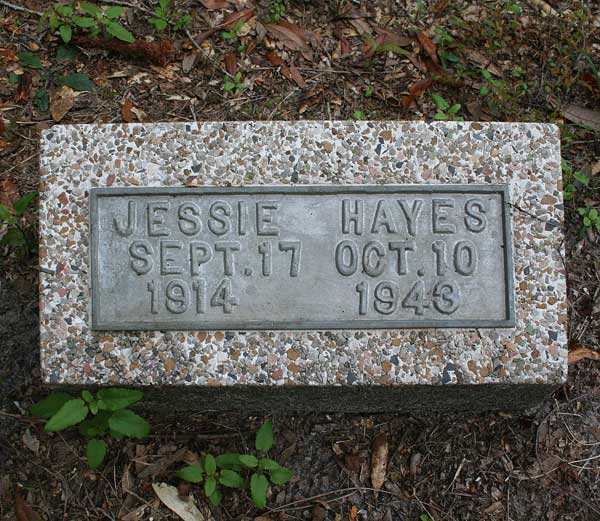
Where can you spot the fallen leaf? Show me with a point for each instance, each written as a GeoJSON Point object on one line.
{"type": "Point", "coordinates": [394, 38]}
{"type": "Point", "coordinates": [8, 55]}
{"type": "Point", "coordinates": [33, 444]}
{"type": "Point", "coordinates": [379, 460]}
{"type": "Point", "coordinates": [215, 4]}
{"type": "Point", "coordinates": [24, 89]}
{"type": "Point", "coordinates": [187, 64]}
{"type": "Point", "coordinates": [232, 19]}
{"type": "Point", "coordinates": [186, 510]}
{"type": "Point", "coordinates": [139, 113]}
{"type": "Point", "coordinates": [230, 63]}
{"type": "Point", "coordinates": [483, 61]}
{"type": "Point", "coordinates": [292, 39]}
{"type": "Point", "coordinates": [8, 192]}
{"type": "Point", "coordinates": [23, 511]}
{"type": "Point", "coordinates": [428, 46]}
{"type": "Point", "coordinates": [581, 353]}
{"type": "Point", "coordinates": [61, 101]}
{"type": "Point", "coordinates": [595, 168]}
{"type": "Point", "coordinates": [126, 113]}
{"type": "Point", "coordinates": [415, 91]}
{"type": "Point", "coordinates": [297, 77]}
{"type": "Point", "coordinates": [582, 116]}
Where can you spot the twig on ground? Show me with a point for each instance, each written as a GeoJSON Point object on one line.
{"type": "Point", "coordinates": [19, 8]}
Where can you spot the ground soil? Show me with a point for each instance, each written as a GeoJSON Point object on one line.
{"type": "Point", "coordinates": [542, 58]}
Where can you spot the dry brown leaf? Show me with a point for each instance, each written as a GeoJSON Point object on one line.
{"type": "Point", "coordinates": [415, 91]}
{"type": "Point", "coordinates": [595, 168]}
{"type": "Point", "coordinates": [483, 61]}
{"type": "Point", "coordinates": [126, 113]}
{"type": "Point", "coordinates": [394, 38]}
{"type": "Point", "coordinates": [582, 116]}
{"type": "Point", "coordinates": [8, 192]}
{"type": "Point", "coordinates": [239, 16]}
{"type": "Point", "coordinates": [297, 77]}
{"type": "Point", "coordinates": [8, 55]}
{"type": "Point", "coordinates": [187, 64]}
{"type": "Point", "coordinates": [379, 460]}
{"type": "Point", "coordinates": [581, 353]}
{"type": "Point", "coordinates": [61, 101]}
{"type": "Point", "coordinates": [22, 510]}
{"type": "Point", "coordinates": [428, 46]}
{"type": "Point", "coordinates": [215, 4]}
{"type": "Point", "coordinates": [230, 63]}
{"type": "Point", "coordinates": [24, 88]}
{"type": "Point", "coordinates": [292, 39]}
{"type": "Point", "coordinates": [186, 510]}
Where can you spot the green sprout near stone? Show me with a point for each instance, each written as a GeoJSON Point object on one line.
{"type": "Point", "coordinates": [571, 179]}
{"type": "Point", "coordinates": [590, 218]}
{"type": "Point", "coordinates": [19, 231]}
{"type": "Point", "coordinates": [105, 414]}
{"type": "Point", "coordinates": [233, 83]}
{"type": "Point", "coordinates": [233, 34]}
{"type": "Point", "coordinates": [231, 470]}
{"type": "Point", "coordinates": [359, 115]}
{"type": "Point", "coordinates": [445, 111]}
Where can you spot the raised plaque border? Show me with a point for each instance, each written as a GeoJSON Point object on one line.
{"type": "Point", "coordinates": [502, 190]}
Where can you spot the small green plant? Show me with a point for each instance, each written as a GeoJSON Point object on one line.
{"type": "Point", "coordinates": [359, 115]}
{"type": "Point", "coordinates": [369, 91]}
{"type": "Point", "coordinates": [570, 180]}
{"type": "Point", "coordinates": [62, 17]}
{"type": "Point", "coordinates": [233, 83]}
{"type": "Point", "coordinates": [590, 218]}
{"type": "Point", "coordinates": [231, 470]}
{"type": "Point", "coordinates": [233, 34]}
{"type": "Point", "coordinates": [276, 11]}
{"type": "Point", "coordinates": [445, 111]}
{"type": "Point", "coordinates": [18, 226]}
{"type": "Point", "coordinates": [491, 85]}
{"type": "Point", "coordinates": [165, 15]}
{"type": "Point", "coordinates": [105, 414]}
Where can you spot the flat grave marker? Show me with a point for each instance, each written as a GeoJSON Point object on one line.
{"type": "Point", "coordinates": [305, 264]}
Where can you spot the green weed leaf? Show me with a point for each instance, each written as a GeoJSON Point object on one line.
{"type": "Point", "coordinates": [229, 460]}
{"type": "Point", "coordinates": [258, 490]}
{"type": "Point", "coordinates": [280, 476]}
{"type": "Point", "coordinates": [268, 464]}
{"type": "Point", "coordinates": [440, 102]}
{"type": "Point", "coordinates": [127, 423]}
{"type": "Point", "coordinates": [210, 485]}
{"type": "Point", "coordinates": [191, 473]}
{"type": "Point", "coordinates": [22, 204]}
{"type": "Point", "coordinates": [116, 398]}
{"type": "Point", "coordinates": [249, 461]}
{"type": "Point", "coordinates": [28, 59]}
{"type": "Point", "coordinates": [50, 405]}
{"type": "Point", "coordinates": [114, 12]}
{"type": "Point", "coordinates": [215, 499]}
{"type": "Point", "coordinates": [41, 101]}
{"type": "Point", "coordinates": [90, 8]}
{"type": "Point", "coordinates": [77, 81]}
{"type": "Point", "coordinates": [96, 450]}
{"type": "Point", "coordinates": [264, 437]}
{"type": "Point", "coordinates": [5, 215]}
{"type": "Point", "coordinates": [210, 464]}
{"type": "Point", "coordinates": [118, 31]}
{"type": "Point", "coordinates": [65, 33]}
{"type": "Point", "coordinates": [96, 425]}
{"type": "Point", "coordinates": [231, 479]}
{"type": "Point", "coordinates": [71, 413]}
{"type": "Point", "coordinates": [84, 21]}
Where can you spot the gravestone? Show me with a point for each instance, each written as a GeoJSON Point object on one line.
{"type": "Point", "coordinates": [349, 266]}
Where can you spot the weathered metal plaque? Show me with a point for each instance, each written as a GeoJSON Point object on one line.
{"type": "Point", "coordinates": [304, 257]}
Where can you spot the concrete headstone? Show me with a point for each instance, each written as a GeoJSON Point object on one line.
{"type": "Point", "coordinates": [306, 265]}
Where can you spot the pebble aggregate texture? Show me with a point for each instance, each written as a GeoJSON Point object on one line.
{"type": "Point", "coordinates": [526, 156]}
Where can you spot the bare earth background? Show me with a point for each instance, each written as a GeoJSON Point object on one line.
{"type": "Point", "coordinates": [321, 60]}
